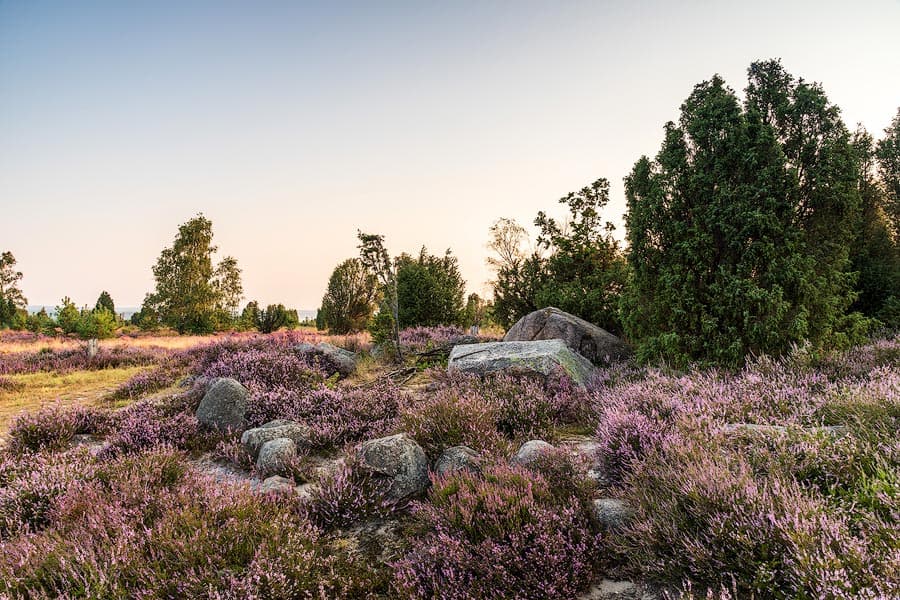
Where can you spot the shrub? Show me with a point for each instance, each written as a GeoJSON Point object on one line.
{"type": "Point", "coordinates": [703, 515]}
{"type": "Point", "coordinates": [335, 416]}
{"type": "Point", "coordinates": [138, 526]}
{"type": "Point", "coordinates": [348, 496]}
{"type": "Point", "coordinates": [8, 385]}
{"type": "Point", "coordinates": [266, 369]}
{"type": "Point", "coordinates": [503, 535]}
{"type": "Point", "coordinates": [452, 417]}
{"type": "Point", "coordinates": [53, 427]}
{"type": "Point", "coordinates": [146, 425]}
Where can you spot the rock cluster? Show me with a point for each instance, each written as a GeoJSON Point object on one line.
{"type": "Point", "coordinates": [595, 344]}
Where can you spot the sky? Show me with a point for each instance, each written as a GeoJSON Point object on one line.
{"type": "Point", "coordinates": [291, 125]}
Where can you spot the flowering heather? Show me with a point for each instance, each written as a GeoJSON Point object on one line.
{"type": "Point", "coordinates": [420, 339]}
{"type": "Point", "coordinates": [263, 370]}
{"type": "Point", "coordinates": [140, 527]}
{"type": "Point", "coordinates": [147, 425]}
{"type": "Point", "coordinates": [53, 427]}
{"type": "Point", "coordinates": [503, 535]}
{"type": "Point", "coordinates": [348, 496]}
{"type": "Point", "coordinates": [335, 416]}
{"type": "Point", "coordinates": [76, 359]}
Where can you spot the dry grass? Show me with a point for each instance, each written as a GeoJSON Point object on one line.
{"type": "Point", "coordinates": [170, 342]}
{"type": "Point", "coordinates": [77, 387]}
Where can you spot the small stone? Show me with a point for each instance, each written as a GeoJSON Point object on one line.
{"type": "Point", "coordinates": [275, 456]}
{"type": "Point", "coordinates": [613, 514]}
{"type": "Point", "coordinates": [530, 452]}
{"type": "Point", "coordinates": [253, 439]}
{"type": "Point", "coordinates": [457, 458]}
{"type": "Point", "coordinates": [277, 485]}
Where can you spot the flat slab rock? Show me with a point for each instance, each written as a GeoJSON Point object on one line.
{"type": "Point", "coordinates": [542, 357]}
{"type": "Point", "coordinates": [594, 343]}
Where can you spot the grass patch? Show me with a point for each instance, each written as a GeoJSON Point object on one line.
{"type": "Point", "coordinates": [86, 388]}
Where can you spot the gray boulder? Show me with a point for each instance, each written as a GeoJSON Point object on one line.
{"type": "Point", "coordinates": [399, 459]}
{"type": "Point", "coordinates": [457, 458]}
{"type": "Point", "coordinates": [224, 406]}
{"type": "Point", "coordinates": [253, 439]}
{"type": "Point", "coordinates": [595, 344]}
{"type": "Point", "coordinates": [530, 452]}
{"type": "Point", "coordinates": [612, 514]}
{"type": "Point", "coordinates": [276, 456]}
{"type": "Point", "coordinates": [541, 358]}
{"type": "Point", "coordinates": [343, 361]}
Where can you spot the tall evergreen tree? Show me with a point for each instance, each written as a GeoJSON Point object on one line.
{"type": "Point", "coordinates": [105, 301]}
{"type": "Point", "coordinates": [718, 265]}
{"type": "Point", "coordinates": [824, 174]}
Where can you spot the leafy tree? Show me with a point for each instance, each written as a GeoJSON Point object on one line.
{"type": "Point", "coordinates": [349, 300]}
{"type": "Point", "coordinates": [228, 286]}
{"type": "Point", "coordinates": [68, 316]}
{"type": "Point", "coordinates": [11, 297]}
{"type": "Point", "coordinates": [430, 289]}
{"type": "Point", "coordinates": [585, 271]}
{"type": "Point", "coordinates": [189, 292]}
{"type": "Point", "coordinates": [718, 264]}
{"type": "Point", "coordinates": [888, 155]}
{"type": "Point", "coordinates": [376, 260]}
{"type": "Point", "coordinates": [519, 272]}
{"type": "Point", "coordinates": [275, 317]}
{"type": "Point", "coordinates": [105, 301]}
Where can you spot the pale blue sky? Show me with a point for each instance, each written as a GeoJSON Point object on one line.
{"type": "Point", "coordinates": [292, 124]}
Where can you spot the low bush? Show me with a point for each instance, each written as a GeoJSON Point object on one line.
{"type": "Point", "coordinates": [54, 426]}
{"type": "Point", "coordinates": [503, 535]}
{"type": "Point", "coordinates": [350, 495]}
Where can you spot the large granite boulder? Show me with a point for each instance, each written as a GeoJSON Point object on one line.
{"type": "Point", "coordinates": [276, 456]}
{"type": "Point", "coordinates": [400, 460]}
{"type": "Point", "coordinates": [595, 344]}
{"type": "Point", "coordinates": [253, 439]}
{"type": "Point", "coordinates": [224, 406]}
{"type": "Point", "coordinates": [330, 357]}
{"type": "Point", "coordinates": [541, 358]}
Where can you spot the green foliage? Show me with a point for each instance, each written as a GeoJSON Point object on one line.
{"type": "Point", "coordinates": [275, 317]}
{"type": "Point", "coordinates": [429, 289]}
{"type": "Point", "coordinates": [11, 298]}
{"type": "Point", "coordinates": [349, 301]}
{"type": "Point", "coordinates": [250, 315]}
{"type": "Point", "coordinates": [67, 316]}
{"type": "Point", "coordinates": [739, 229]}
{"type": "Point", "coordinates": [585, 271]}
{"type": "Point", "coordinates": [875, 253]}
{"type": "Point", "coordinates": [99, 323]}
{"type": "Point", "coordinates": [228, 286]}
{"type": "Point", "coordinates": [477, 311]}
{"type": "Point", "coordinates": [105, 301]}
{"type": "Point", "coordinates": [376, 260]}
{"type": "Point", "coordinates": [518, 273]}
{"type": "Point", "coordinates": [40, 322]}
{"type": "Point", "coordinates": [190, 296]}
{"type": "Point", "coordinates": [888, 155]}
